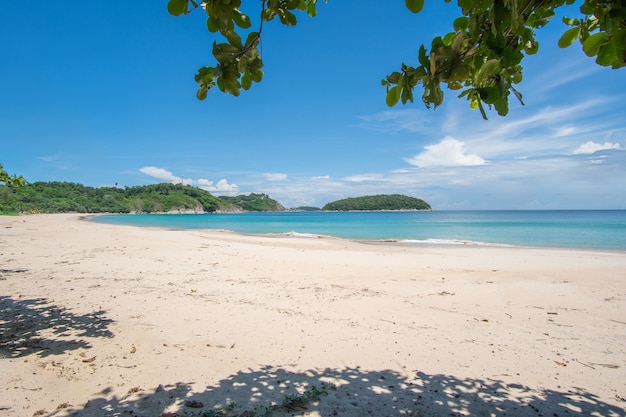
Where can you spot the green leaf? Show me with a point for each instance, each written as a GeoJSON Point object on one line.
{"type": "Point", "coordinates": [252, 38]}
{"type": "Point", "coordinates": [502, 106]}
{"type": "Point", "coordinates": [234, 39]}
{"type": "Point", "coordinates": [414, 5]}
{"type": "Point", "coordinates": [460, 23]}
{"type": "Point", "coordinates": [570, 21]}
{"type": "Point", "coordinates": [489, 95]}
{"type": "Point", "coordinates": [241, 20]}
{"type": "Point", "coordinates": [423, 59]}
{"type": "Point", "coordinates": [256, 76]}
{"type": "Point", "coordinates": [394, 77]}
{"type": "Point", "coordinates": [487, 69]}
{"type": "Point", "coordinates": [242, 64]}
{"type": "Point", "coordinates": [224, 52]}
{"type": "Point", "coordinates": [606, 55]}
{"type": "Point", "coordinates": [568, 37]}
{"type": "Point", "coordinates": [177, 7]}
{"type": "Point", "coordinates": [466, 5]}
{"type": "Point", "coordinates": [212, 24]}
{"type": "Point", "coordinates": [311, 9]}
{"type": "Point", "coordinates": [202, 92]}
{"type": "Point", "coordinates": [448, 38]}
{"type": "Point", "coordinates": [246, 80]}
{"type": "Point", "coordinates": [592, 44]}
{"type": "Point", "coordinates": [393, 96]}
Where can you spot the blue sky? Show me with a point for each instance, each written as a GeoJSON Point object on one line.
{"type": "Point", "coordinates": [104, 95]}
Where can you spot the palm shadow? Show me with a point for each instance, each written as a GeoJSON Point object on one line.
{"type": "Point", "coordinates": [35, 326]}
{"type": "Point", "coordinates": [278, 392]}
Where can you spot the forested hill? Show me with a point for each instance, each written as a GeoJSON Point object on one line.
{"type": "Point", "coordinates": [63, 197]}
{"type": "Point", "coordinates": [254, 202]}
{"type": "Point", "coordinates": [378, 203]}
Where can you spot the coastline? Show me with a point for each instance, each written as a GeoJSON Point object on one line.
{"type": "Point", "coordinates": [579, 230]}
{"type": "Point", "coordinates": [103, 319]}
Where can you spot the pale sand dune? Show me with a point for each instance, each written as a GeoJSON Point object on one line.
{"type": "Point", "coordinates": [103, 320]}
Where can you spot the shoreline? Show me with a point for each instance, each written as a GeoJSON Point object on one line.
{"type": "Point", "coordinates": [99, 319]}
{"type": "Point", "coordinates": [434, 242]}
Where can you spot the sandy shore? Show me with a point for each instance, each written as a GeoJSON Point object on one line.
{"type": "Point", "coordinates": [101, 320]}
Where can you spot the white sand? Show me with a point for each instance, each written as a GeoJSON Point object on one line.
{"type": "Point", "coordinates": [102, 320]}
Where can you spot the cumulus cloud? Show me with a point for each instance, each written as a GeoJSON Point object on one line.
{"type": "Point", "coordinates": [447, 153]}
{"type": "Point", "coordinates": [592, 147]}
{"type": "Point", "coordinates": [222, 186]}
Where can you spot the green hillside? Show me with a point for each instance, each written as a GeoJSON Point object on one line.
{"type": "Point", "coordinates": [63, 197]}
{"type": "Point", "coordinates": [254, 202]}
{"type": "Point", "coordinates": [378, 203]}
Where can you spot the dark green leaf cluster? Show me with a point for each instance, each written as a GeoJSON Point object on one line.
{"type": "Point", "coordinates": [482, 56]}
{"type": "Point", "coordinates": [254, 202]}
{"type": "Point", "coordinates": [63, 197]}
{"type": "Point", "coordinates": [601, 30]}
{"type": "Point", "coordinates": [378, 203]}
{"type": "Point", "coordinates": [239, 62]}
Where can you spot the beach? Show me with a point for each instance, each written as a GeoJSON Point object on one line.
{"type": "Point", "coordinates": [109, 320]}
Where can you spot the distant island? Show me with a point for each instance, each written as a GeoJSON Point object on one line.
{"type": "Point", "coordinates": [65, 197]}
{"type": "Point", "coordinates": [382, 202]}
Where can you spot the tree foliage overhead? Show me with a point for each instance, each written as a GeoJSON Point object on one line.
{"type": "Point", "coordinates": [481, 57]}
{"type": "Point", "coordinates": [378, 202]}
{"type": "Point", "coordinates": [11, 180]}
{"type": "Point", "coordinates": [239, 61]}
{"type": "Point", "coordinates": [63, 197]}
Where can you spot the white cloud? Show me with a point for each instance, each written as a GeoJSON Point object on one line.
{"type": "Point", "coordinates": [364, 178]}
{"type": "Point", "coordinates": [275, 176]}
{"type": "Point", "coordinates": [449, 152]}
{"type": "Point", "coordinates": [203, 182]}
{"type": "Point", "coordinates": [160, 173]}
{"type": "Point", "coordinates": [222, 186]}
{"type": "Point", "coordinates": [592, 147]}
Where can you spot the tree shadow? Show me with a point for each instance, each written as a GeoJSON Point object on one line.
{"type": "Point", "coordinates": [349, 391]}
{"type": "Point", "coordinates": [35, 326]}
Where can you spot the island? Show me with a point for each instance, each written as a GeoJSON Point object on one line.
{"type": "Point", "coordinates": [68, 197]}
{"type": "Point", "coordinates": [381, 202]}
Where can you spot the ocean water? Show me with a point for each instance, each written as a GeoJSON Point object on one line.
{"type": "Point", "coordinates": [584, 229]}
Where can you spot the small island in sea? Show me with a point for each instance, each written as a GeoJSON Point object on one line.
{"type": "Point", "coordinates": [381, 202]}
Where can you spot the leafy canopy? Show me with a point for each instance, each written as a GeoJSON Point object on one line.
{"type": "Point", "coordinates": [481, 57]}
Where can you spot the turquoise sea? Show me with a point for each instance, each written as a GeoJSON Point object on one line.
{"type": "Point", "coordinates": [585, 229]}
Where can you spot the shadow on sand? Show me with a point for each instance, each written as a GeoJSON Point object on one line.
{"type": "Point", "coordinates": [34, 326]}
{"type": "Point", "coordinates": [349, 392]}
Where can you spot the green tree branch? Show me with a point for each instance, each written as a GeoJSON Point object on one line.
{"type": "Point", "coordinates": [481, 57]}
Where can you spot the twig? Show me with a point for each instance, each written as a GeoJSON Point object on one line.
{"type": "Point", "coordinates": [584, 364]}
